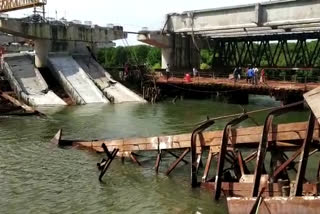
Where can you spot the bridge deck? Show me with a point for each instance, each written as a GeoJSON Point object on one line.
{"type": "Point", "coordinates": [223, 85]}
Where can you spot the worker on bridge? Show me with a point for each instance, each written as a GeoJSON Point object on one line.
{"type": "Point", "coordinates": [250, 75]}
{"type": "Point", "coordinates": [1, 57]}
{"type": "Point", "coordinates": [168, 72]}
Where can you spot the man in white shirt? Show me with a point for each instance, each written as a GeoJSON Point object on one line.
{"type": "Point", "coordinates": [195, 72]}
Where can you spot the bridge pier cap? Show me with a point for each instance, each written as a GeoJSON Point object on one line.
{"type": "Point", "coordinates": [61, 36]}
{"type": "Point", "coordinates": [266, 20]}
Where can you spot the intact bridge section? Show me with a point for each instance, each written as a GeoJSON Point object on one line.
{"type": "Point", "coordinates": [271, 34]}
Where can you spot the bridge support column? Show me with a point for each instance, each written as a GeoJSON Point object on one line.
{"type": "Point", "coordinates": [41, 52]}
{"type": "Point", "coordinates": [166, 57]}
{"type": "Point", "coordinates": [181, 54]}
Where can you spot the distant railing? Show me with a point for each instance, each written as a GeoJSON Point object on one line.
{"type": "Point", "coordinates": [281, 74]}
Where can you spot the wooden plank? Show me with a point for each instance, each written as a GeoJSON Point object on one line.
{"type": "Point", "coordinates": [245, 137]}
{"type": "Point", "coordinates": [16, 102]}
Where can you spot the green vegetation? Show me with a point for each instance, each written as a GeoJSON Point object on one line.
{"type": "Point", "coordinates": [134, 55]}
{"type": "Point", "coordinates": [151, 57]}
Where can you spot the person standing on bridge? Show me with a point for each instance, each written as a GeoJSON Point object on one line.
{"type": "Point", "coordinates": [250, 74]}
{"type": "Point", "coordinates": [195, 72]}
{"type": "Point", "coordinates": [1, 57]}
{"type": "Point", "coordinates": [168, 72]}
{"type": "Point", "coordinates": [255, 75]}
{"type": "Point", "coordinates": [237, 74]}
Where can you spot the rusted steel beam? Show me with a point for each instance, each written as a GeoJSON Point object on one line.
{"type": "Point", "coordinates": [105, 148]}
{"type": "Point", "coordinates": [304, 156]}
{"type": "Point", "coordinates": [228, 159]}
{"type": "Point", "coordinates": [222, 153]}
{"type": "Point", "coordinates": [193, 147]}
{"type": "Point", "coordinates": [318, 172]}
{"type": "Point", "coordinates": [199, 161]}
{"type": "Point", "coordinates": [207, 167]}
{"type": "Point", "coordinates": [231, 157]}
{"type": "Point", "coordinates": [243, 167]}
{"type": "Point", "coordinates": [285, 164]}
{"type": "Point", "coordinates": [251, 157]}
{"type": "Point", "coordinates": [158, 162]}
{"type": "Point", "coordinates": [313, 152]}
{"type": "Point", "coordinates": [12, 5]}
{"type": "Point", "coordinates": [264, 143]}
{"type": "Point", "coordinates": [176, 156]}
{"type": "Point", "coordinates": [257, 203]}
{"type": "Point", "coordinates": [262, 150]}
{"type": "Point", "coordinates": [107, 163]}
{"type": "Point", "coordinates": [134, 159]}
{"type": "Point", "coordinates": [173, 166]}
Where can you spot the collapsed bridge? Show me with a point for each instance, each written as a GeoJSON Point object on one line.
{"type": "Point", "coordinates": [66, 51]}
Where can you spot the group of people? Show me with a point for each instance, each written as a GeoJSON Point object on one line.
{"type": "Point", "coordinates": [195, 72]}
{"type": "Point", "coordinates": [252, 75]}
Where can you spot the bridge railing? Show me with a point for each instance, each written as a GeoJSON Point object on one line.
{"type": "Point", "coordinates": [296, 76]}
{"type": "Point", "coordinates": [281, 74]}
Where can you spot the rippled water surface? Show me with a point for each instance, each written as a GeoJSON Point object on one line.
{"type": "Point", "coordinates": [38, 177]}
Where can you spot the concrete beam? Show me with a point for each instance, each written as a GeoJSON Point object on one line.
{"type": "Point", "coordinates": [155, 38]}
{"type": "Point", "coordinates": [8, 39]}
{"type": "Point", "coordinates": [268, 14]}
{"type": "Point", "coordinates": [60, 32]}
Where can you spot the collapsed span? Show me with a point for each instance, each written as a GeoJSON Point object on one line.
{"type": "Point", "coordinates": [112, 89]}
{"type": "Point", "coordinates": [74, 80]}
{"type": "Point", "coordinates": [27, 81]}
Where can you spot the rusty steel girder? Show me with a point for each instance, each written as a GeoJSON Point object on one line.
{"type": "Point", "coordinates": [11, 5]}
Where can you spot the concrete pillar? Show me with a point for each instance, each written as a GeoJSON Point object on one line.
{"type": "Point", "coordinates": [182, 54]}
{"type": "Point", "coordinates": [167, 57]}
{"type": "Point", "coordinates": [41, 48]}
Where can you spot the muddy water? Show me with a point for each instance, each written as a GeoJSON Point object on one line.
{"type": "Point", "coordinates": [38, 177]}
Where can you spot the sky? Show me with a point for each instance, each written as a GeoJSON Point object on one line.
{"type": "Point", "coordinates": [133, 15]}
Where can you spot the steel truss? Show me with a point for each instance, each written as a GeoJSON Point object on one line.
{"type": "Point", "coordinates": [266, 53]}
{"type": "Point", "coordinates": [11, 5]}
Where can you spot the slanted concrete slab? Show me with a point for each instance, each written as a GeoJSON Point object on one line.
{"type": "Point", "coordinates": [27, 81]}
{"type": "Point", "coordinates": [111, 88]}
{"type": "Point", "coordinates": [75, 81]}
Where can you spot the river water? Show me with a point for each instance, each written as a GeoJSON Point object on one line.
{"type": "Point", "coordinates": [38, 177]}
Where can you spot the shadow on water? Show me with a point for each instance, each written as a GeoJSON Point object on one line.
{"type": "Point", "coordinates": [38, 177]}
